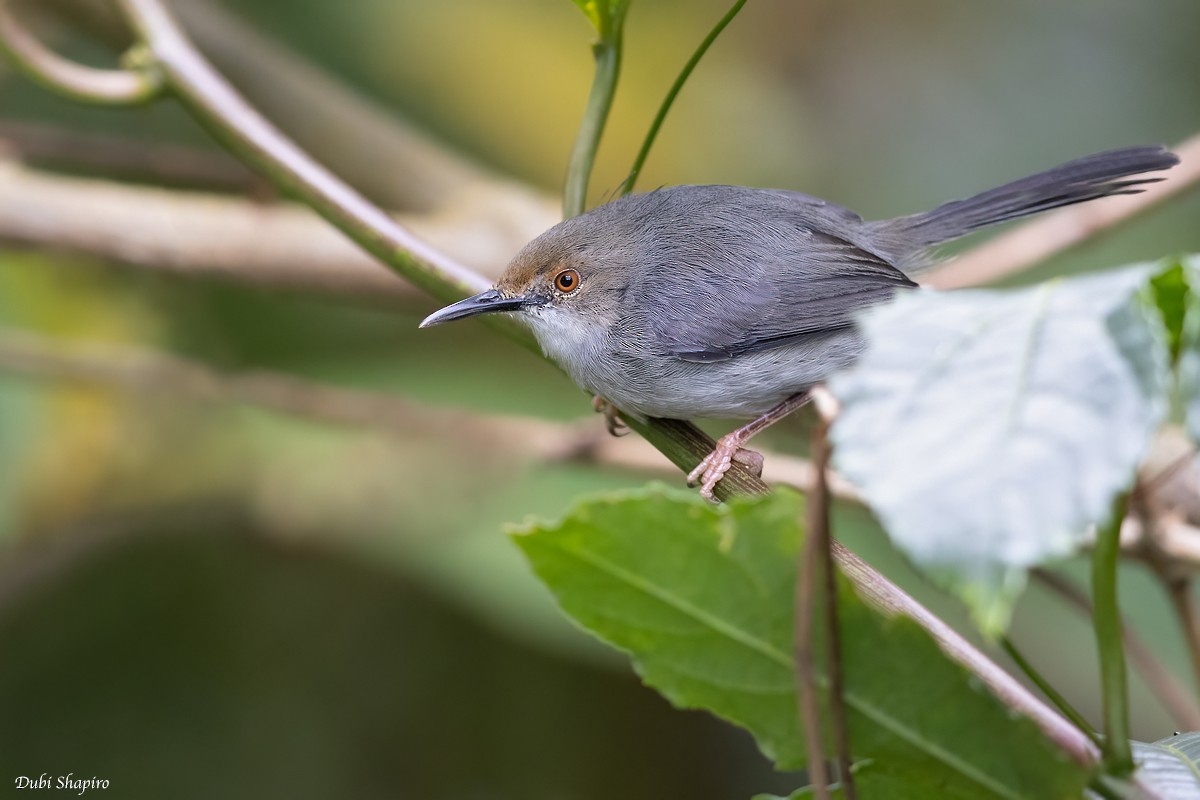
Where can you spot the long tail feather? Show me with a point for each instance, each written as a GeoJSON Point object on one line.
{"type": "Point", "coordinates": [1076, 181]}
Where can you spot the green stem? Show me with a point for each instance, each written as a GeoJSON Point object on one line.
{"type": "Point", "coordinates": [669, 100]}
{"type": "Point", "coordinates": [607, 52]}
{"type": "Point", "coordinates": [1118, 755]}
{"type": "Point", "coordinates": [1068, 710]}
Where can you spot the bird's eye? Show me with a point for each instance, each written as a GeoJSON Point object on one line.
{"type": "Point", "coordinates": [566, 281]}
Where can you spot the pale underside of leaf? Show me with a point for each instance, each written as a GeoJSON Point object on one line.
{"type": "Point", "coordinates": [1169, 768]}
{"type": "Point", "coordinates": [990, 429]}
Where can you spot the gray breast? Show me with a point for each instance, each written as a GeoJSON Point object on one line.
{"type": "Point", "coordinates": [746, 386]}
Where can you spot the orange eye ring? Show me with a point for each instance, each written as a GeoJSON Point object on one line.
{"type": "Point", "coordinates": [567, 281]}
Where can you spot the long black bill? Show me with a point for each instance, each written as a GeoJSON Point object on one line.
{"type": "Point", "coordinates": [482, 303]}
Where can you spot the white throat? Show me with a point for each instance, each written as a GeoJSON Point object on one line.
{"type": "Point", "coordinates": [573, 341]}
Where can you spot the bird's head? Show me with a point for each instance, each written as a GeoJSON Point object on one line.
{"type": "Point", "coordinates": [570, 275]}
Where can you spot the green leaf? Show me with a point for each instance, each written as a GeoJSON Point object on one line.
{"type": "Point", "coordinates": [990, 429]}
{"type": "Point", "coordinates": [1172, 289]}
{"type": "Point", "coordinates": [701, 597]}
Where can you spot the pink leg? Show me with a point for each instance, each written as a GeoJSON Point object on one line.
{"type": "Point", "coordinates": [730, 447]}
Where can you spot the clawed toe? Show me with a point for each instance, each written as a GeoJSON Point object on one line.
{"type": "Point", "coordinates": [612, 419]}
{"type": "Point", "coordinates": [709, 472]}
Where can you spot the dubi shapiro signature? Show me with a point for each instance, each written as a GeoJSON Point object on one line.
{"type": "Point", "coordinates": [68, 781]}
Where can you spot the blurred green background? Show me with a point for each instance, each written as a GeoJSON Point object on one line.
{"type": "Point", "coordinates": [201, 599]}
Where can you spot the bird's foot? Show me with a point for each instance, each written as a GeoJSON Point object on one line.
{"type": "Point", "coordinates": [708, 473]}
{"type": "Point", "coordinates": [612, 420]}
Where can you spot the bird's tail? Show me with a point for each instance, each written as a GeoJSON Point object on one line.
{"type": "Point", "coordinates": [1083, 179]}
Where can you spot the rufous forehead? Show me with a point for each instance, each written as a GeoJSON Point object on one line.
{"type": "Point", "coordinates": [522, 272]}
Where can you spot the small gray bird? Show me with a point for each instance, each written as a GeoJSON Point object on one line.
{"type": "Point", "coordinates": [731, 302]}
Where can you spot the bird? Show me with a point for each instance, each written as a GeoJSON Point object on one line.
{"type": "Point", "coordinates": [732, 302]}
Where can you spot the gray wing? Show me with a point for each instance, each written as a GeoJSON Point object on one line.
{"type": "Point", "coordinates": [761, 272]}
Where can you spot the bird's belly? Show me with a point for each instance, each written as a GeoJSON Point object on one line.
{"type": "Point", "coordinates": [740, 387]}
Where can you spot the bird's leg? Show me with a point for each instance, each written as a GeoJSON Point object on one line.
{"type": "Point", "coordinates": [612, 422]}
{"type": "Point", "coordinates": [730, 447]}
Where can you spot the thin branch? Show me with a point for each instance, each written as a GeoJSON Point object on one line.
{"type": "Point", "coordinates": [1173, 695]}
{"type": "Point", "coordinates": [1061, 703]}
{"type": "Point", "coordinates": [815, 579]}
{"type": "Point", "coordinates": [79, 82]}
{"type": "Point", "coordinates": [1051, 234]}
{"type": "Point", "coordinates": [882, 593]}
{"type": "Point", "coordinates": [673, 92]}
{"type": "Point", "coordinates": [804, 654]}
{"type": "Point", "coordinates": [819, 530]}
